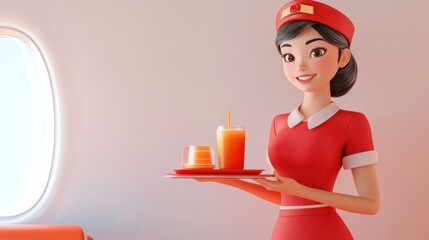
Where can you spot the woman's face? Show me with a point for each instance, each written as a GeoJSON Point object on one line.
{"type": "Point", "coordinates": [310, 62]}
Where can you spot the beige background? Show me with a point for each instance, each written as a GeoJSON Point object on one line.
{"type": "Point", "coordinates": [137, 80]}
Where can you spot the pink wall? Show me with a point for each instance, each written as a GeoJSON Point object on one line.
{"type": "Point", "coordinates": [137, 80]}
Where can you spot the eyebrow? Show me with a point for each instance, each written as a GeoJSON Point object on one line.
{"type": "Point", "coordinates": [313, 40]}
{"type": "Point", "coordinates": [306, 43]}
{"type": "Point", "coordinates": [285, 45]}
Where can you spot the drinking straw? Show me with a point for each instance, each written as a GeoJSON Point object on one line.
{"type": "Point", "coordinates": [229, 119]}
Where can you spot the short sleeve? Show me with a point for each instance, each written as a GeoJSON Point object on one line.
{"type": "Point", "coordinates": [272, 136]}
{"type": "Point", "coordinates": [279, 122]}
{"type": "Point", "coordinates": [359, 149]}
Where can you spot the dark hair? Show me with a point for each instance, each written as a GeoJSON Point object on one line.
{"type": "Point", "coordinates": [345, 78]}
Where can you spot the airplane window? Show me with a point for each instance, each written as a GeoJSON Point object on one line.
{"type": "Point", "coordinates": [26, 123]}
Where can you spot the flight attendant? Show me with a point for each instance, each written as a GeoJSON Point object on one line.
{"type": "Point", "coordinates": [308, 146]}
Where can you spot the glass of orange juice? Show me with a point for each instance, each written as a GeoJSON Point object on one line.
{"type": "Point", "coordinates": [231, 147]}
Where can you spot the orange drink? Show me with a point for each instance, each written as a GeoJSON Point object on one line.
{"type": "Point", "coordinates": [231, 147]}
{"type": "Point", "coordinates": [197, 157]}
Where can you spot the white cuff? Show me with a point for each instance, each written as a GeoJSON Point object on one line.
{"type": "Point", "coordinates": [268, 159]}
{"type": "Point", "coordinates": [360, 159]}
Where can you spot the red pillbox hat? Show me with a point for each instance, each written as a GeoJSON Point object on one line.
{"type": "Point", "coordinates": [317, 12]}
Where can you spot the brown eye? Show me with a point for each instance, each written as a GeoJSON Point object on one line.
{"type": "Point", "coordinates": [288, 57]}
{"type": "Point", "coordinates": [318, 52]}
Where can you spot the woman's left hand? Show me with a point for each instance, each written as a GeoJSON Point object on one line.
{"type": "Point", "coordinates": [281, 184]}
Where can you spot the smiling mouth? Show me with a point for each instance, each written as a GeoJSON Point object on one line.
{"type": "Point", "coordinates": [305, 78]}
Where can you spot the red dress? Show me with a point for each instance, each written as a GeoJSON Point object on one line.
{"type": "Point", "coordinates": [312, 153]}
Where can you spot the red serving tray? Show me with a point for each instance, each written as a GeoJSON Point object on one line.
{"type": "Point", "coordinates": [218, 173]}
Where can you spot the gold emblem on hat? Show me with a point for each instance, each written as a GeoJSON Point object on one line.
{"type": "Point", "coordinates": [297, 8]}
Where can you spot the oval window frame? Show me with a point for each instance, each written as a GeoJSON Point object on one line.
{"type": "Point", "coordinates": [38, 177]}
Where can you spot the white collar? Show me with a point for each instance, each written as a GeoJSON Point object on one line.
{"type": "Point", "coordinates": [295, 117]}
